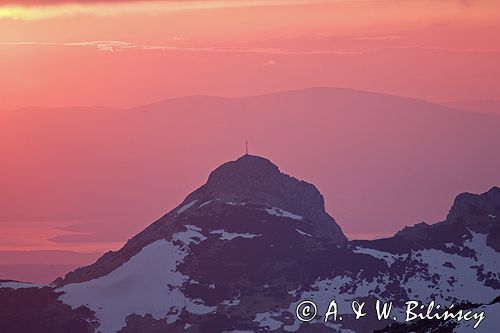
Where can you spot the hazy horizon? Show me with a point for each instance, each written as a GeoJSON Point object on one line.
{"type": "Point", "coordinates": [454, 104]}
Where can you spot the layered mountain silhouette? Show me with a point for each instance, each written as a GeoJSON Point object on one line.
{"type": "Point", "coordinates": [240, 252]}
{"type": "Point", "coordinates": [385, 159]}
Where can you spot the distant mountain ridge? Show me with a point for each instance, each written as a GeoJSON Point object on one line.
{"type": "Point", "coordinates": [98, 165]}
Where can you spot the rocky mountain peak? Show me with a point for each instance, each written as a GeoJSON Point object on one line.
{"type": "Point", "coordinates": [479, 213]}
{"type": "Point", "coordinates": [248, 197]}
{"type": "Point", "coordinates": [257, 180]}
{"type": "Point", "coordinates": [469, 205]}
{"type": "Point", "coordinates": [247, 165]}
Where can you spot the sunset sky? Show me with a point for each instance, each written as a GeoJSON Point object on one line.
{"type": "Point", "coordinates": [122, 54]}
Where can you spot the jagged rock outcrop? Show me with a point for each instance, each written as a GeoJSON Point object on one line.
{"type": "Point", "coordinates": [469, 207]}
{"type": "Point", "coordinates": [254, 179]}
{"type": "Point", "coordinates": [470, 212]}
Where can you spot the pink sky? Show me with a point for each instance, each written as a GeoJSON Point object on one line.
{"type": "Point", "coordinates": [129, 53]}
{"type": "Point", "coordinates": [132, 53]}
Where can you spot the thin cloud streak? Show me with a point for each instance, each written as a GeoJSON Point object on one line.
{"type": "Point", "coordinates": [112, 46]}
{"type": "Point", "coordinates": [379, 38]}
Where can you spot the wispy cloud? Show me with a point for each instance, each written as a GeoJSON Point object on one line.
{"type": "Point", "coordinates": [103, 45]}
{"type": "Point", "coordinates": [113, 45]}
{"type": "Point", "coordinates": [379, 38]}
{"type": "Point", "coordinates": [100, 45]}
{"type": "Point", "coordinates": [269, 62]}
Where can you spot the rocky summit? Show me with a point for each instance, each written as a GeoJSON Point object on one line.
{"type": "Point", "coordinates": [255, 180]}
{"type": "Point", "coordinates": [241, 252]}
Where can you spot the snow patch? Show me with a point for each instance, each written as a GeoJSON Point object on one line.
{"type": "Point", "coordinates": [225, 235]}
{"type": "Point", "coordinates": [186, 207]}
{"type": "Point", "coordinates": [18, 285]}
{"type": "Point", "coordinates": [490, 323]}
{"type": "Point", "coordinates": [282, 213]}
{"type": "Point", "coordinates": [193, 227]}
{"type": "Point", "coordinates": [205, 203]}
{"type": "Point", "coordinates": [190, 236]}
{"type": "Point", "coordinates": [231, 302]}
{"type": "Point", "coordinates": [232, 203]}
{"type": "Point", "coordinates": [149, 283]}
{"type": "Point", "coordinates": [389, 258]}
{"type": "Point", "coordinates": [303, 233]}
{"type": "Point", "coordinates": [265, 319]}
